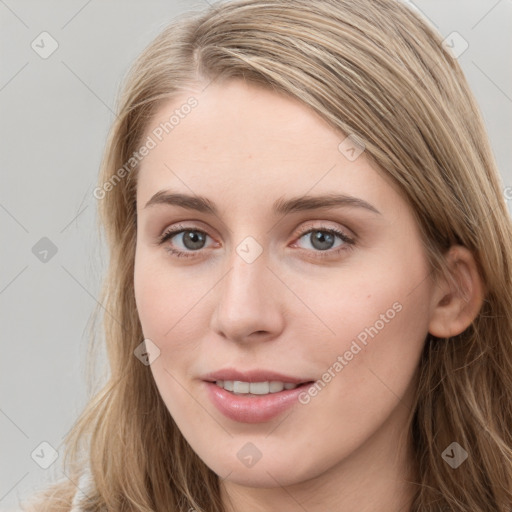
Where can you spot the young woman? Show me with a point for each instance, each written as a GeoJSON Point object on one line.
{"type": "Point", "coordinates": [309, 300]}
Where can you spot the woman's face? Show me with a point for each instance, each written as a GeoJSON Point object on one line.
{"type": "Point", "coordinates": [297, 263]}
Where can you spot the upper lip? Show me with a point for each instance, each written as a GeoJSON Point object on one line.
{"type": "Point", "coordinates": [252, 376]}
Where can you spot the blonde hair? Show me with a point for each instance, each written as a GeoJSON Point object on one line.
{"type": "Point", "coordinates": [372, 68]}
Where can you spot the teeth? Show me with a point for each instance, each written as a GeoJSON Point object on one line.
{"type": "Point", "coordinates": [276, 386]}
{"type": "Point", "coordinates": [240, 387]}
{"type": "Point", "coordinates": [254, 388]}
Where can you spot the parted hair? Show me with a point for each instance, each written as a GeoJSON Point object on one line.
{"type": "Point", "coordinates": [373, 68]}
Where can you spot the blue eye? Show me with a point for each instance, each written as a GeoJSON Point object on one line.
{"type": "Point", "coordinates": [321, 239]}
{"type": "Point", "coordinates": [192, 239]}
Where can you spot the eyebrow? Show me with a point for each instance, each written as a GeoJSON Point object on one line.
{"type": "Point", "coordinates": [280, 207]}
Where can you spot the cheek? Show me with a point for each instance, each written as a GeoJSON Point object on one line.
{"type": "Point", "coordinates": [365, 329]}
{"type": "Point", "coordinates": [380, 323]}
{"type": "Point", "coordinates": [165, 302]}
{"type": "Point", "coordinates": [347, 306]}
{"type": "Point", "coordinates": [172, 311]}
{"type": "Point", "coordinates": [167, 299]}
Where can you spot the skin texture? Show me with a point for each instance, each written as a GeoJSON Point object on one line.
{"type": "Point", "coordinates": [289, 310]}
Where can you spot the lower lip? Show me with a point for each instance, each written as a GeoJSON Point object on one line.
{"type": "Point", "coordinates": [253, 408]}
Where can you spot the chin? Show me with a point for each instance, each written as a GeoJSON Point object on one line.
{"type": "Point", "coordinates": [261, 477]}
{"type": "Point", "coordinates": [270, 471]}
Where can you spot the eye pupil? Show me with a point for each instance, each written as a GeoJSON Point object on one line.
{"type": "Point", "coordinates": [193, 239]}
{"type": "Point", "coordinates": [322, 240]}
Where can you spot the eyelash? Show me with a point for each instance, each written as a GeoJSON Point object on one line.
{"type": "Point", "coordinates": [347, 245]}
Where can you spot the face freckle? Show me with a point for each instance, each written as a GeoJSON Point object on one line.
{"type": "Point", "coordinates": [352, 322]}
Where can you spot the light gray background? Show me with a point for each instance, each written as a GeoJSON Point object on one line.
{"type": "Point", "coordinates": [55, 114]}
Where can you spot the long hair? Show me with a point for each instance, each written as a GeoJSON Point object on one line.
{"type": "Point", "coordinates": [373, 68]}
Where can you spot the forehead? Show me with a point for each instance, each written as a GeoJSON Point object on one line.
{"type": "Point", "coordinates": [241, 118]}
{"type": "Point", "coordinates": [248, 145]}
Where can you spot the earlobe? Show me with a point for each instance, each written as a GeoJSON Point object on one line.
{"type": "Point", "coordinates": [457, 301]}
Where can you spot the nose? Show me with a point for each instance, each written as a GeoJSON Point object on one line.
{"type": "Point", "coordinates": [249, 304]}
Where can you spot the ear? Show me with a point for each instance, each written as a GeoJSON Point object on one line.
{"type": "Point", "coordinates": [457, 301]}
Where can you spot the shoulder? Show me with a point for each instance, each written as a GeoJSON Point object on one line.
{"type": "Point", "coordinates": [64, 495]}
{"type": "Point", "coordinates": [84, 488]}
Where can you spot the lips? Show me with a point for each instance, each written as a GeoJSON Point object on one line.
{"type": "Point", "coordinates": [230, 374]}
{"type": "Point", "coordinates": [253, 408]}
